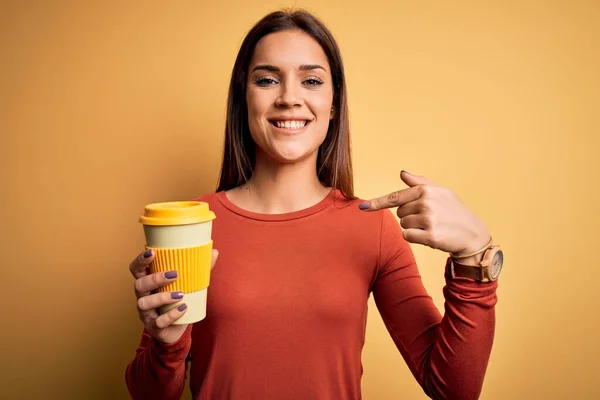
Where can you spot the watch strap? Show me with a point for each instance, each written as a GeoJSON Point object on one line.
{"type": "Point", "coordinates": [474, 272]}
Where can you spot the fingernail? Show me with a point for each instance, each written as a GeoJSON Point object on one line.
{"type": "Point", "coordinates": [364, 206]}
{"type": "Point", "coordinates": [182, 307]}
{"type": "Point", "coordinates": [171, 274]}
{"type": "Point", "coordinates": [176, 295]}
{"type": "Point", "coordinates": [147, 253]}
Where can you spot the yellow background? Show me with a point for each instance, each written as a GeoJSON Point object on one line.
{"type": "Point", "coordinates": [105, 107]}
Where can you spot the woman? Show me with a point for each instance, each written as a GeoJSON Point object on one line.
{"type": "Point", "coordinates": [300, 254]}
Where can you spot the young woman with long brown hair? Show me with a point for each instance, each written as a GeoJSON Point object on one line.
{"type": "Point", "coordinates": [299, 254]}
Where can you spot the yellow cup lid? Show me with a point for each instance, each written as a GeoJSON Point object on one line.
{"type": "Point", "coordinates": [177, 213]}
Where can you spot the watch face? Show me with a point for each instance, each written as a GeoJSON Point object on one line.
{"type": "Point", "coordinates": [496, 264]}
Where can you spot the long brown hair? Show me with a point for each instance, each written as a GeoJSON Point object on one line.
{"type": "Point", "coordinates": [334, 164]}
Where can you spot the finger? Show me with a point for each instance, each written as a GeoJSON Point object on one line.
{"type": "Point", "coordinates": [412, 222]}
{"type": "Point", "coordinates": [139, 266]}
{"type": "Point", "coordinates": [419, 236]}
{"type": "Point", "coordinates": [171, 316]}
{"type": "Point", "coordinates": [215, 256]}
{"type": "Point", "coordinates": [413, 180]}
{"type": "Point", "coordinates": [414, 207]}
{"type": "Point", "coordinates": [149, 316]}
{"type": "Point", "coordinates": [156, 300]}
{"type": "Point", "coordinates": [394, 199]}
{"type": "Point", "coordinates": [144, 285]}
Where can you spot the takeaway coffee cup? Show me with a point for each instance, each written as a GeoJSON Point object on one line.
{"type": "Point", "coordinates": [180, 234]}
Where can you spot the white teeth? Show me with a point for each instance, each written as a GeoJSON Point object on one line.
{"type": "Point", "coordinates": [290, 124]}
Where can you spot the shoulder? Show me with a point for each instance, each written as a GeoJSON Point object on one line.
{"type": "Point", "coordinates": [379, 231]}
{"type": "Point", "coordinates": [380, 219]}
{"type": "Point", "coordinates": [207, 197]}
{"type": "Point", "coordinates": [212, 198]}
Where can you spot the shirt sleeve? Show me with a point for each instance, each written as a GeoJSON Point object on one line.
{"type": "Point", "coordinates": [447, 355]}
{"type": "Point", "coordinates": [158, 370]}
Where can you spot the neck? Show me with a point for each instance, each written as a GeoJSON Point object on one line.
{"type": "Point", "coordinates": [276, 188]}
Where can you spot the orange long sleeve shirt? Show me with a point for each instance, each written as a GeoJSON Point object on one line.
{"type": "Point", "coordinates": [287, 311]}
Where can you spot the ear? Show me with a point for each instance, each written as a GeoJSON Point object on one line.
{"type": "Point", "coordinates": [332, 113]}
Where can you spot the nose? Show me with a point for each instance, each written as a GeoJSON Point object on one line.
{"type": "Point", "coordinates": [290, 96]}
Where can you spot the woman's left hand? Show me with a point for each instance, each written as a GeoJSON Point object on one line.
{"type": "Point", "coordinates": [434, 216]}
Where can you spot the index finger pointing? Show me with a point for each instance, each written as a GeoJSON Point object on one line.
{"type": "Point", "coordinates": [139, 265]}
{"type": "Point", "coordinates": [394, 199]}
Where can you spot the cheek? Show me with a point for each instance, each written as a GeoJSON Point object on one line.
{"type": "Point", "coordinates": [252, 106]}
{"type": "Point", "coordinates": [257, 103]}
{"type": "Point", "coordinates": [256, 110]}
{"type": "Point", "coordinates": [322, 105]}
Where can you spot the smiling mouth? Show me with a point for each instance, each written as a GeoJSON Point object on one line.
{"type": "Point", "coordinates": [290, 124]}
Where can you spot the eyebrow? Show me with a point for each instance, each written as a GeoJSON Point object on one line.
{"type": "Point", "coordinates": [272, 68]}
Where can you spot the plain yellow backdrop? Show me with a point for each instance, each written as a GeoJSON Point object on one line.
{"type": "Point", "coordinates": [108, 106]}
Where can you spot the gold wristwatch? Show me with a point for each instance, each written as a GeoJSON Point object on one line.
{"type": "Point", "coordinates": [489, 267]}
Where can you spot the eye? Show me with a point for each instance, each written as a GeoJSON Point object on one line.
{"type": "Point", "coordinates": [313, 81]}
{"type": "Point", "coordinates": [265, 81]}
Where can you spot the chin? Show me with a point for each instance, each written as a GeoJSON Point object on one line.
{"type": "Point", "coordinates": [291, 156]}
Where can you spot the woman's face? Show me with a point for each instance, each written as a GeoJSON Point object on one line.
{"type": "Point", "coordinates": [289, 96]}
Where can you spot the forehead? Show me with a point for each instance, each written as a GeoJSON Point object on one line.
{"type": "Point", "coordinates": [288, 49]}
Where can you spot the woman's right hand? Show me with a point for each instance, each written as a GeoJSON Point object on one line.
{"type": "Point", "coordinates": [159, 326]}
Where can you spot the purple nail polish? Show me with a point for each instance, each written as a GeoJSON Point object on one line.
{"type": "Point", "coordinates": [364, 206]}
{"type": "Point", "coordinates": [176, 295]}
{"type": "Point", "coordinates": [147, 253]}
{"type": "Point", "coordinates": [182, 307]}
{"type": "Point", "coordinates": [171, 274]}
